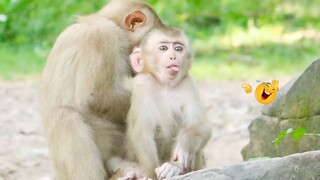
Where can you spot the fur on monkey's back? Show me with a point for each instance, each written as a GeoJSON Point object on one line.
{"type": "Point", "coordinates": [81, 52]}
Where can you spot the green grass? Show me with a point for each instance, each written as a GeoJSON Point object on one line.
{"type": "Point", "coordinates": [207, 68]}
{"type": "Point", "coordinates": [269, 61]}
{"type": "Point", "coordinates": [268, 52]}
{"type": "Point", "coordinates": [20, 62]}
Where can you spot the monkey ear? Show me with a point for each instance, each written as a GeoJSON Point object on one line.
{"type": "Point", "coordinates": [135, 19]}
{"type": "Point", "coordinates": [136, 61]}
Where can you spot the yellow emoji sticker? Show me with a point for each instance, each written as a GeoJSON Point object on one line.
{"type": "Point", "coordinates": [265, 92]}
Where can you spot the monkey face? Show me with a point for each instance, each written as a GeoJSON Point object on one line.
{"type": "Point", "coordinates": [169, 57]}
{"type": "Point", "coordinates": [165, 54]}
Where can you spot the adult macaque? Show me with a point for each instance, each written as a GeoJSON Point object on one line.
{"type": "Point", "coordinates": [84, 97]}
{"type": "Point", "coordinates": [166, 121]}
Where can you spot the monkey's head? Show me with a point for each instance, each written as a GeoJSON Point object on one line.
{"type": "Point", "coordinates": [165, 54]}
{"type": "Point", "coordinates": [135, 17]}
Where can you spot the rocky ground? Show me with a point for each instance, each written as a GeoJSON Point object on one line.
{"type": "Point", "coordinates": [24, 154]}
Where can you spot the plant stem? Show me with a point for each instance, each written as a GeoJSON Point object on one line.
{"type": "Point", "coordinates": [311, 134]}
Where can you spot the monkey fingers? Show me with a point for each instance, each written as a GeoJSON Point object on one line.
{"type": "Point", "coordinates": [145, 178]}
{"type": "Point", "coordinates": [185, 159]}
{"type": "Point", "coordinates": [167, 170]}
{"type": "Point", "coordinates": [133, 175]}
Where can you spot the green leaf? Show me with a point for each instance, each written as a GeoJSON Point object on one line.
{"type": "Point", "coordinates": [298, 133]}
{"type": "Point", "coordinates": [279, 138]}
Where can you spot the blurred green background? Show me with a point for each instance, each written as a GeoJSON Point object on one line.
{"type": "Point", "coordinates": [232, 39]}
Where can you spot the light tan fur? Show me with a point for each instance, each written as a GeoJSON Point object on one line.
{"type": "Point", "coordinates": [84, 95]}
{"type": "Point", "coordinates": [166, 121]}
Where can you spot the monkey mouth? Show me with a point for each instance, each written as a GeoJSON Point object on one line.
{"type": "Point", "coordinates": [173, 71]}
{"type": "Point", "coordinates": [174, 67]}
{"type": "Point", "coordinates": [265, 94]}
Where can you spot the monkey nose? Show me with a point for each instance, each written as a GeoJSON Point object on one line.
{"type": "Point", "coordinates": [173, 58]}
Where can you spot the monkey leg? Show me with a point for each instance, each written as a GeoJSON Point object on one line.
{"type": "Point", "coordinates": [200, 162]}
{"type": "Point", "coordinates": [73, 150]}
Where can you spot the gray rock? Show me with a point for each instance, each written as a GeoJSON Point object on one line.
{"type": "Point", "coordinates": [300, 97]}
{"type": "Point", "coordinates": [297, 105]}
{"type": "Point", "coordinates": [273, 108]}
{"type": "Point", "coordinates": [303, 166]}
{"type": "Point", "coordinates": [265, 129]}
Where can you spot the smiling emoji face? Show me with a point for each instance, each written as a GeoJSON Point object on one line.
{"type": "Point", "coordinates": [267, 92]}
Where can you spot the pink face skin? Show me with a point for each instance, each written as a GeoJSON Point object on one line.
{"type": "Point", "coordinates": [170, 56]}
{"type": "Point", "coordinates": [162, 56]}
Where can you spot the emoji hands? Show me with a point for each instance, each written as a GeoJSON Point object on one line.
{"type": "Point", "coordinates": [247, 88]}
{"type": "Point", "coordinates": [275, 85]}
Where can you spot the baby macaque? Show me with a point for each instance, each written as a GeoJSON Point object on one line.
{"type": "Point", "coordinates": [167, 125]}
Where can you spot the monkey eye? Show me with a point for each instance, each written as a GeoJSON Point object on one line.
{"type": "Point", "coordinates": [163, 48]}
{"type": "Point", "coordinates": [178, 48]}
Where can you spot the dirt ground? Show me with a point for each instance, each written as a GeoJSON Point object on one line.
{"type": "Point", "coordinates": [24, 154]}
